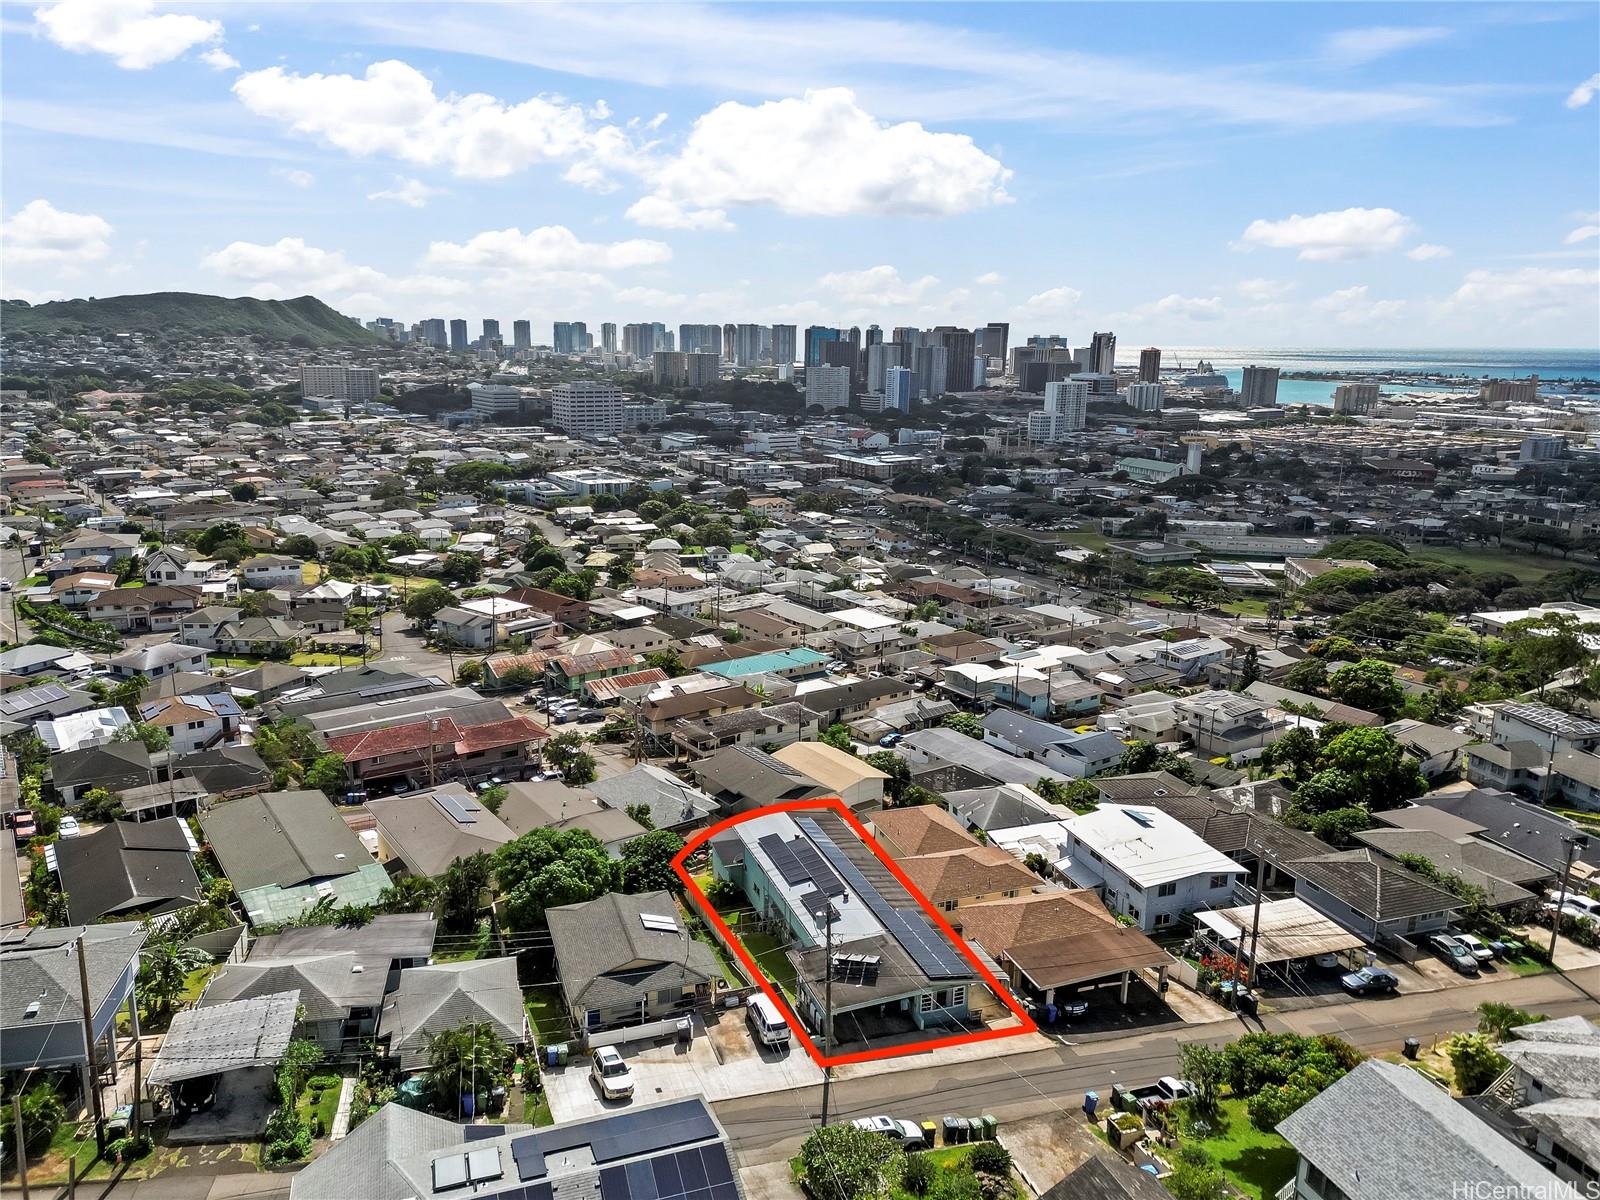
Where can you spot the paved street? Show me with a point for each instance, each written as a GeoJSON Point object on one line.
{"type": "Point", "coordinates": [13, 572]}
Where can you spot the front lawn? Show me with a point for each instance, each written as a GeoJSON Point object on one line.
{"type": "Point", "coordinates": [1256, 1163]}
{"type": "Point", "coordinates": [950, 1166]}
{"type": "Point", "coordinates": [321, 1105]}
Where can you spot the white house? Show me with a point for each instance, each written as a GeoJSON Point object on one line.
{"type": "Point", "coordinates": [1079, 755]}
{"type": "Point", "coordinates": [1146, 864]}
{"type": "Point", "coordinates": [272, 570]}
{"type": "Point", "coordinates": [1193, 655]}
{"type": "Point", "coordinates": [95, 727]}
{"type": "Point", "coordinates": [1225, 723]}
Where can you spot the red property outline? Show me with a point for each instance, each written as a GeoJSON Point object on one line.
{"type": "Point", "coordinates": [834, 804]}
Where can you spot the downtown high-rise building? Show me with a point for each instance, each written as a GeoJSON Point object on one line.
{"type": "Point", "coordinates": [1066, 410]}
{"type": "Point", "coordinates": [908, 336]}
{"type": "Point", "coordinates": [746, 350]}
{"type": "Point", "coordinates": [458, 336]}
{"type": "Point", "coordinates": [880, 357]}
{"type": "Point", "coordinates": [960, 348]}
{"type": "Point", "coordinates": [639, 340]}
{"type": "Point", "coordinates": [700, 339]}
{"type": "Point", "coordinates": [897, 383]}
{"type": "Point", "coordinates": [491, 330]}
{"type": "Point", "coordinates": [993, 341]}
{"type": "Point", "coordinates": [521, 335]}
{"type": "Point", "coordinates": [1145, 397]}
{"type": "Point", "coordinates": [1102, 354]}
{"type": "Point", "coordinates": [570, 337]}
{"type": "Point", "coordinates": [435, 333]}
{"type": "Point", "coordinates": [816, 337]}
{"type": "Point", "coordinates": [842, 354]}
{"type": "Point", "coordinates": [608, 337]}
{"type": "Point", "coordinates": [1150, 365]}
{"type": "Point", "coordinates": [828, 387]}
{"type": "Point", "coordinates": [783, 344]}
{"type": "Point", "coordinates": [674, 368]}
{"type": "Point", "coordinates": [1259, 387]}
{"type": "Point", "coordinates": [660, 339]}
{"type": "Point", "coordinates": [587, 408]}
{"type": "Point", "coordinates": [874, 335]}
{"type": "Point", "coordinates": [932, 367]}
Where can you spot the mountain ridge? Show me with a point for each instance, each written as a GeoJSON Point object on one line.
{"type": "Point", "coordinates": [190, 313]}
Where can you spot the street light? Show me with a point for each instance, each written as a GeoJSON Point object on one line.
{"type": "Point", "coordinates": [1575, 842]}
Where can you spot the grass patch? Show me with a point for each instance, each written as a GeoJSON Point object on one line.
{"type": "Point", "coordinates": [307, 658]}
{"type": "Point", "coordinates": [323, 1106]}
{"type": "Point", "coordinates": [234, 660]}
{"type": "Point", "coordinates": [536, 1108]}
{"type": "Point", "coordinates": [770, 956]}
{"type": "Point", "coordinates": [1525, 965]}
{"type": "Point", "coordinates": [1491, 558]}
{"type": "Point", "coordinates": [547, 1013]}
{"type": "Point", "coordinates": [1256, 1163]}
{"type": "Point", "coordinates": [1083, 538]}
{"type": "Point", "coordinates": [949, 1164]}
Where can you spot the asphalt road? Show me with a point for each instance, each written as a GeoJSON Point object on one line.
{"type": "Point", "coordinates": [13, 572]}
{"type": "Point", "coordinates": [770, 1128]}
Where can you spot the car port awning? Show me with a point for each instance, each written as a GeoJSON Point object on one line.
{"type": "Point", "coordinates": [226, 1037]}
{"type": "Point", "coordinates": [1290, 929]}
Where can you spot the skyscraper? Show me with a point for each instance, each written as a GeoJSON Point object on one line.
{"type": "Point", "coordinates": [880, 357]}
{"type": "Point", "coordinates": [746, 345]}
{"type": "Point", "coordinates": [816, 335]}
{"type": "Point", "coordinates": [993, 341]}
{"type": "Point", "coordinates": [783, 344]}
{"type": "Point", "coordinates": [1066, 410]}
{"type": "Point", "coordinates": [639, 340]}
{"type": "Point", "coordinates": [1145, 397]}
{"type": "Point", "coordinates": [960, 348]}
{"type": "Point", "coordinates": [874, 335]}
{"type": "Point", "coordinates": [897, 388]}
{"type": "Point", "coordinates": [700, 339]}
{"type": "Point", "coordinates": [458, 336]}
{"type": "Point", "coordinates": [561, 337]}
{"type": "Point", "coordinates": [931, 364]}
{"type": "Point", "coordinates": [491, 330]}
{"type": "Point", "coordinates": [1103, 354]}
{"type": "Point", "coordinates": [1259, 388]}
{"type": "Point", "coordinates": [521, 335]}
{"type": "Point", "coordinates": [608, 337]}
{"type": "Point", "coordinates": [660, 339]}
{"type": "Point", "coordinates": [433, 332]}
{"type": "Point", "coordinates": [1150, 365]}
{"type": "Point", "coordinates": [842, 354]}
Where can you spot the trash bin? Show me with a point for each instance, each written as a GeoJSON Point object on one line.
{"type": "Point", "coordinates": [1091, 1101]}
{"type": "Point", "coordinates": [950, 1131]}
{"type": "Point", "coordinates": [1248, 1003]}
{"type": "Point", "coordinates": [684, 1031]}
{"type": "Point", "coordinates": [991, 1127]}
{"type": "Point", "coordinates": [1412, 1047]}
{"type": "Point", "coordinates": [930, 1135]}
{"type": "Point", "coordinates": [563, 1052]}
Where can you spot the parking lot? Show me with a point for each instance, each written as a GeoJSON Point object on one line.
{"type": "Point", "coordinates": [721, 1062]}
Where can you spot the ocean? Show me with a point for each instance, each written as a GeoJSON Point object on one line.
{"type": "Point", "coordinates": [1353, 363]}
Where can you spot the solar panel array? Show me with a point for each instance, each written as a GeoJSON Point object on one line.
{"type": "Point", "coordinates": [934, 955]}
{"type": "Point", "coordinates": [461, 809]}
{"type": "Point", "coordinates": [698, 1173]}
{"type": "Point", "coordinates": [614, 1137]}
{"type": "Point", "coordinates": [799, 863]}
{"type": "Point", "coordinates": [856, 968]}
{"type": "Point", "coordinates": [45, 693]}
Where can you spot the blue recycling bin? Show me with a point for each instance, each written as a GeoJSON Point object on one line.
{"type": "Point", "coordinates": [1091, 1101]}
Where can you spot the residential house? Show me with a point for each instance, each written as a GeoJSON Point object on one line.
{"type": "Point", "coordinates": [194, 722]}
{"type": "Point", "coordinates": [670, 802]}
{"type": "Point", "coordinates": [1225, 724]}
{"type": "Point", "coordinates": [1077, 755]}
{"type": "Point", "coordinates": [423, 833]}
{"type": "Point", "coordinates": [775, 725]}
{"type": "Point", "coordinates": [272, 571]}
{"type": "Point", "coordinates": [443, 997]}
{"type": "Point", "coordinates": [115, 766]}
{"type": "Point", "coordinates": [743, 777]}
{"type": "Point", "coordinates": [158, 661]}
{"type": "Point", "coordinates": [1436, 750]}
{"type": "Point", "coordinates": [1549, 1101]}
{"type": "Point", "coordinates": [145, 610]}
{"type": "Point", "coordinates": [128, 869]}
{"type": "Point", "coordinates": [628, 960]}
{"type": "Point", "coordinates": [1145, 864]}
{"type": "Point", "coordinates": [75, 731]}
{"type": "Point", "coordinates": [851, 779]}
{"type": "Point", "coordinates": [1372, 896]}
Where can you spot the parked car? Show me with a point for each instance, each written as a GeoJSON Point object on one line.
{"type": "Point", "coordinates": [5, 585]}
{"type": "Point", "coordinates": [905, 1133]}
{"type": "Point", "coordinates": [69, 827]}
{"type": "Point", "coordinates": [1476, 946]}
{"type": "Point", "coordinates": [1454, 953]}
{"type": "Point", "coordinates": [1576, 905]}
{"type": "Point", "coordinates": [1369, 980]}
{"type": "Point", "coordinates": [890, 739]}
{"type": "Point", "coordinates": [1163, 1091]}
{"type": "Point", "coordinates": [23, 825]}
{"type": "Point", "coordinates": [533, 697]}
{"type": "Point", "coordinates": [611, 1074]}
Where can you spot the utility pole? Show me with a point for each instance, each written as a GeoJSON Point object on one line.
{"type": "Point", "coordinates": [138, 1061]}
{"type": "Point", "coordinates": [1575, 843]}
{"type": "Point", "coordinates": [827, 1010]}
{"type": "Point", "coordinates": [22, 1149]}
{"type": "Point", "coordinates": [96, 1100]}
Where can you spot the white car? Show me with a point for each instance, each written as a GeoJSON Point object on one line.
{"type": "Point", "coordinates": [69, 827]}
{"type": "Point", "coordinates": [1481, 950]}
{"type": "Point", "coordinates": [903, 1132]}
{"type": "Point", "coordinates": [611, 1075]}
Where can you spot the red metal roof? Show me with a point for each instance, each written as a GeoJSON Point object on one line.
{"type": "Point", "coordinates": [394, 739]}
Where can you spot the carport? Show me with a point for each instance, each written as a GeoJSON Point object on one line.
{"type": "Point", "coordinates": [217, 1064]}
{"type": "Point", "coordinates": [1289, 930]}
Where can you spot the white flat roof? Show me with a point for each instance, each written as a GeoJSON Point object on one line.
{"type": "Point", "coordinates": [1149, 846]}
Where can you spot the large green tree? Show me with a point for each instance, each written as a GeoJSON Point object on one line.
{"type": "Point", "coordinates": [1368, 684]}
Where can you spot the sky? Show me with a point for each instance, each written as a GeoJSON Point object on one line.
{"type": "Point", "coordinates": [1267, 174]}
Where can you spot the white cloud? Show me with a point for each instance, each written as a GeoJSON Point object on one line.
{"type": "Point", "coordinates": [1584, 92]}
{"type": "Point", "coordinates": [1329, 236]}
{"type": "Point", "coordinates": [1056, 299]}
{"type": "Point", "coordinates": [1260, 291]}
{"type": "Point", "coordinates": [294, 176]}
{"type": "Point", "coordinates": [548, 248]}
{"type": "Point", "coordinates": [218, 59]}
{"type": "Point", "coordinates": [40, 233]}
{"type": "Point", "coordinates": [600, 111]}
{"type": "Point", "coordinates": [1377, 41]}
{"type": "Point", "coordinates": [660, 213]}
{"type": "Point", "coordinates": [392, 110]}
{"type": "Point", "coordinates": [1186, 308]}
{"type": "Point", "coordinates": [1524, 293]}
{"type": "Point", "coordinates": [649, 296]}
{"type": "Point", "coordinates": [1354, 306]}
{"type": "Point", "coordinates": [1581, 234]}
{"type": "Point", "coordinates": [291, 267]}
{"type": "Point", "coordinates": [413, 193]}
{"type": "Point", "coordinates": [874, 287]}
{"type": "Point", "coordinates": [1427, 250]}
{"type": "Point", "coordinates": [823, 155]}
{"type": "Point", "coordinates": [989, 278]}
{"type": "Point", "coordinates": [130, 31]}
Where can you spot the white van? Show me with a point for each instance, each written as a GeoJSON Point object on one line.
{"type": "Point", "coordinates": [765, 1021]}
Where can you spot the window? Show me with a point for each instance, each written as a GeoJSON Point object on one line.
{"type": "Point", "coordinates": [1219, 881]}
{"type": "Point", "coordinates": [1167, 889]}
{"type": "Point", "coordinates": [949, 905]}
{"type": "Point", "coordinates": [1096, 856]}
{"type": "Point", "coordinates": [925, 1002]}
{"type": "Point", "coordinates": [1133, 912]}
{"type": "Point", "coordinates": [1010, 894]}
{"type": "Point", "coordinates": [1163, 920]}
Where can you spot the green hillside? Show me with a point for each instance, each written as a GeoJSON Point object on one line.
{"type": "Point", "coordinates": [189, 313]}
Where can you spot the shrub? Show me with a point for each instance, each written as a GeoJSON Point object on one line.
{"type": "Point", "coordinates": [917, 1178]}
{"type": "Point", "coordinates": [991, 1157]}
{"type": "Point", "coordinates": [42, 1111]}
{"type": "Point", "coordinates": [840, 1162]}
{"type": "Point", "coordinates": [1475, 1060]}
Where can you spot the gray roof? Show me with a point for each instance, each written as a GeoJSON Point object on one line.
{"type": "Point", "coordinates": [1429, 739]}
{"type": "Point", "coordinates": [383, 940]}
{"type": "Point", "coordinates": [1384, 1131]}
{"type": "Point", "coordinates": [282, 839]}
{"type": "Point", "coordinates": [1552, 720]}
{"type": "Point", "coordinates": [376, 1160]}
{"type": "Point", "coordinates": [127, 867]}
{"type": "Point", "coordinates": [1031, 734]}
{"type": "Point", "coordinates": [226, 1037]}
{"type": "Point", "coordinates": [537, 804]}
{"type": "Point", "coordinates": [1563, 1055]}
{"type": "Point", "coordinates": [1515, 825]}
{"type": "Point", "coordinates": [1372, 885]}
{"type": "Point", "coordinates": [1477, 863]}
{"type": "Point", "coordinates": [114, 765]}
{"type": "Point", "coordinates": [330, 985]}
{"type": "Point", "coordinates": [1105, 1178]}
{"type": "Point", "coordinates": [41, 964]}
{"type": "Point", "coordinates": [948, 746]}
{"type": "Point", "coordinates": [596, 941]}
{"type": "Point", "coordinates": [431, 829]}
{"type": "Point", "coordinates": [446, 996]}
{"type": "Point", "coordinates": [1000, 807]}
{"type": "Point", "coordinates": [672, 802]}
{"type": "Point", "coordinates": [160, 655]}
{"type": "Point", "coordinates": [746, 773]}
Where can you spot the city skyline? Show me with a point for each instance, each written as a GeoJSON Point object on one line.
{"type": "Point", "coordinates": [1278, 177]}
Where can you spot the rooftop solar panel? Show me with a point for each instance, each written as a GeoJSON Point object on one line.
{"type": "Point", "coordinates": [782, 855]}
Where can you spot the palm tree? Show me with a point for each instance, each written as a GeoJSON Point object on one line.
{"type": "Point", "coordinates": [164, 968]}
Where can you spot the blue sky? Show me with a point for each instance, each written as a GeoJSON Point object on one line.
{"type": "Point", "coordinates": [1188, 174]}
